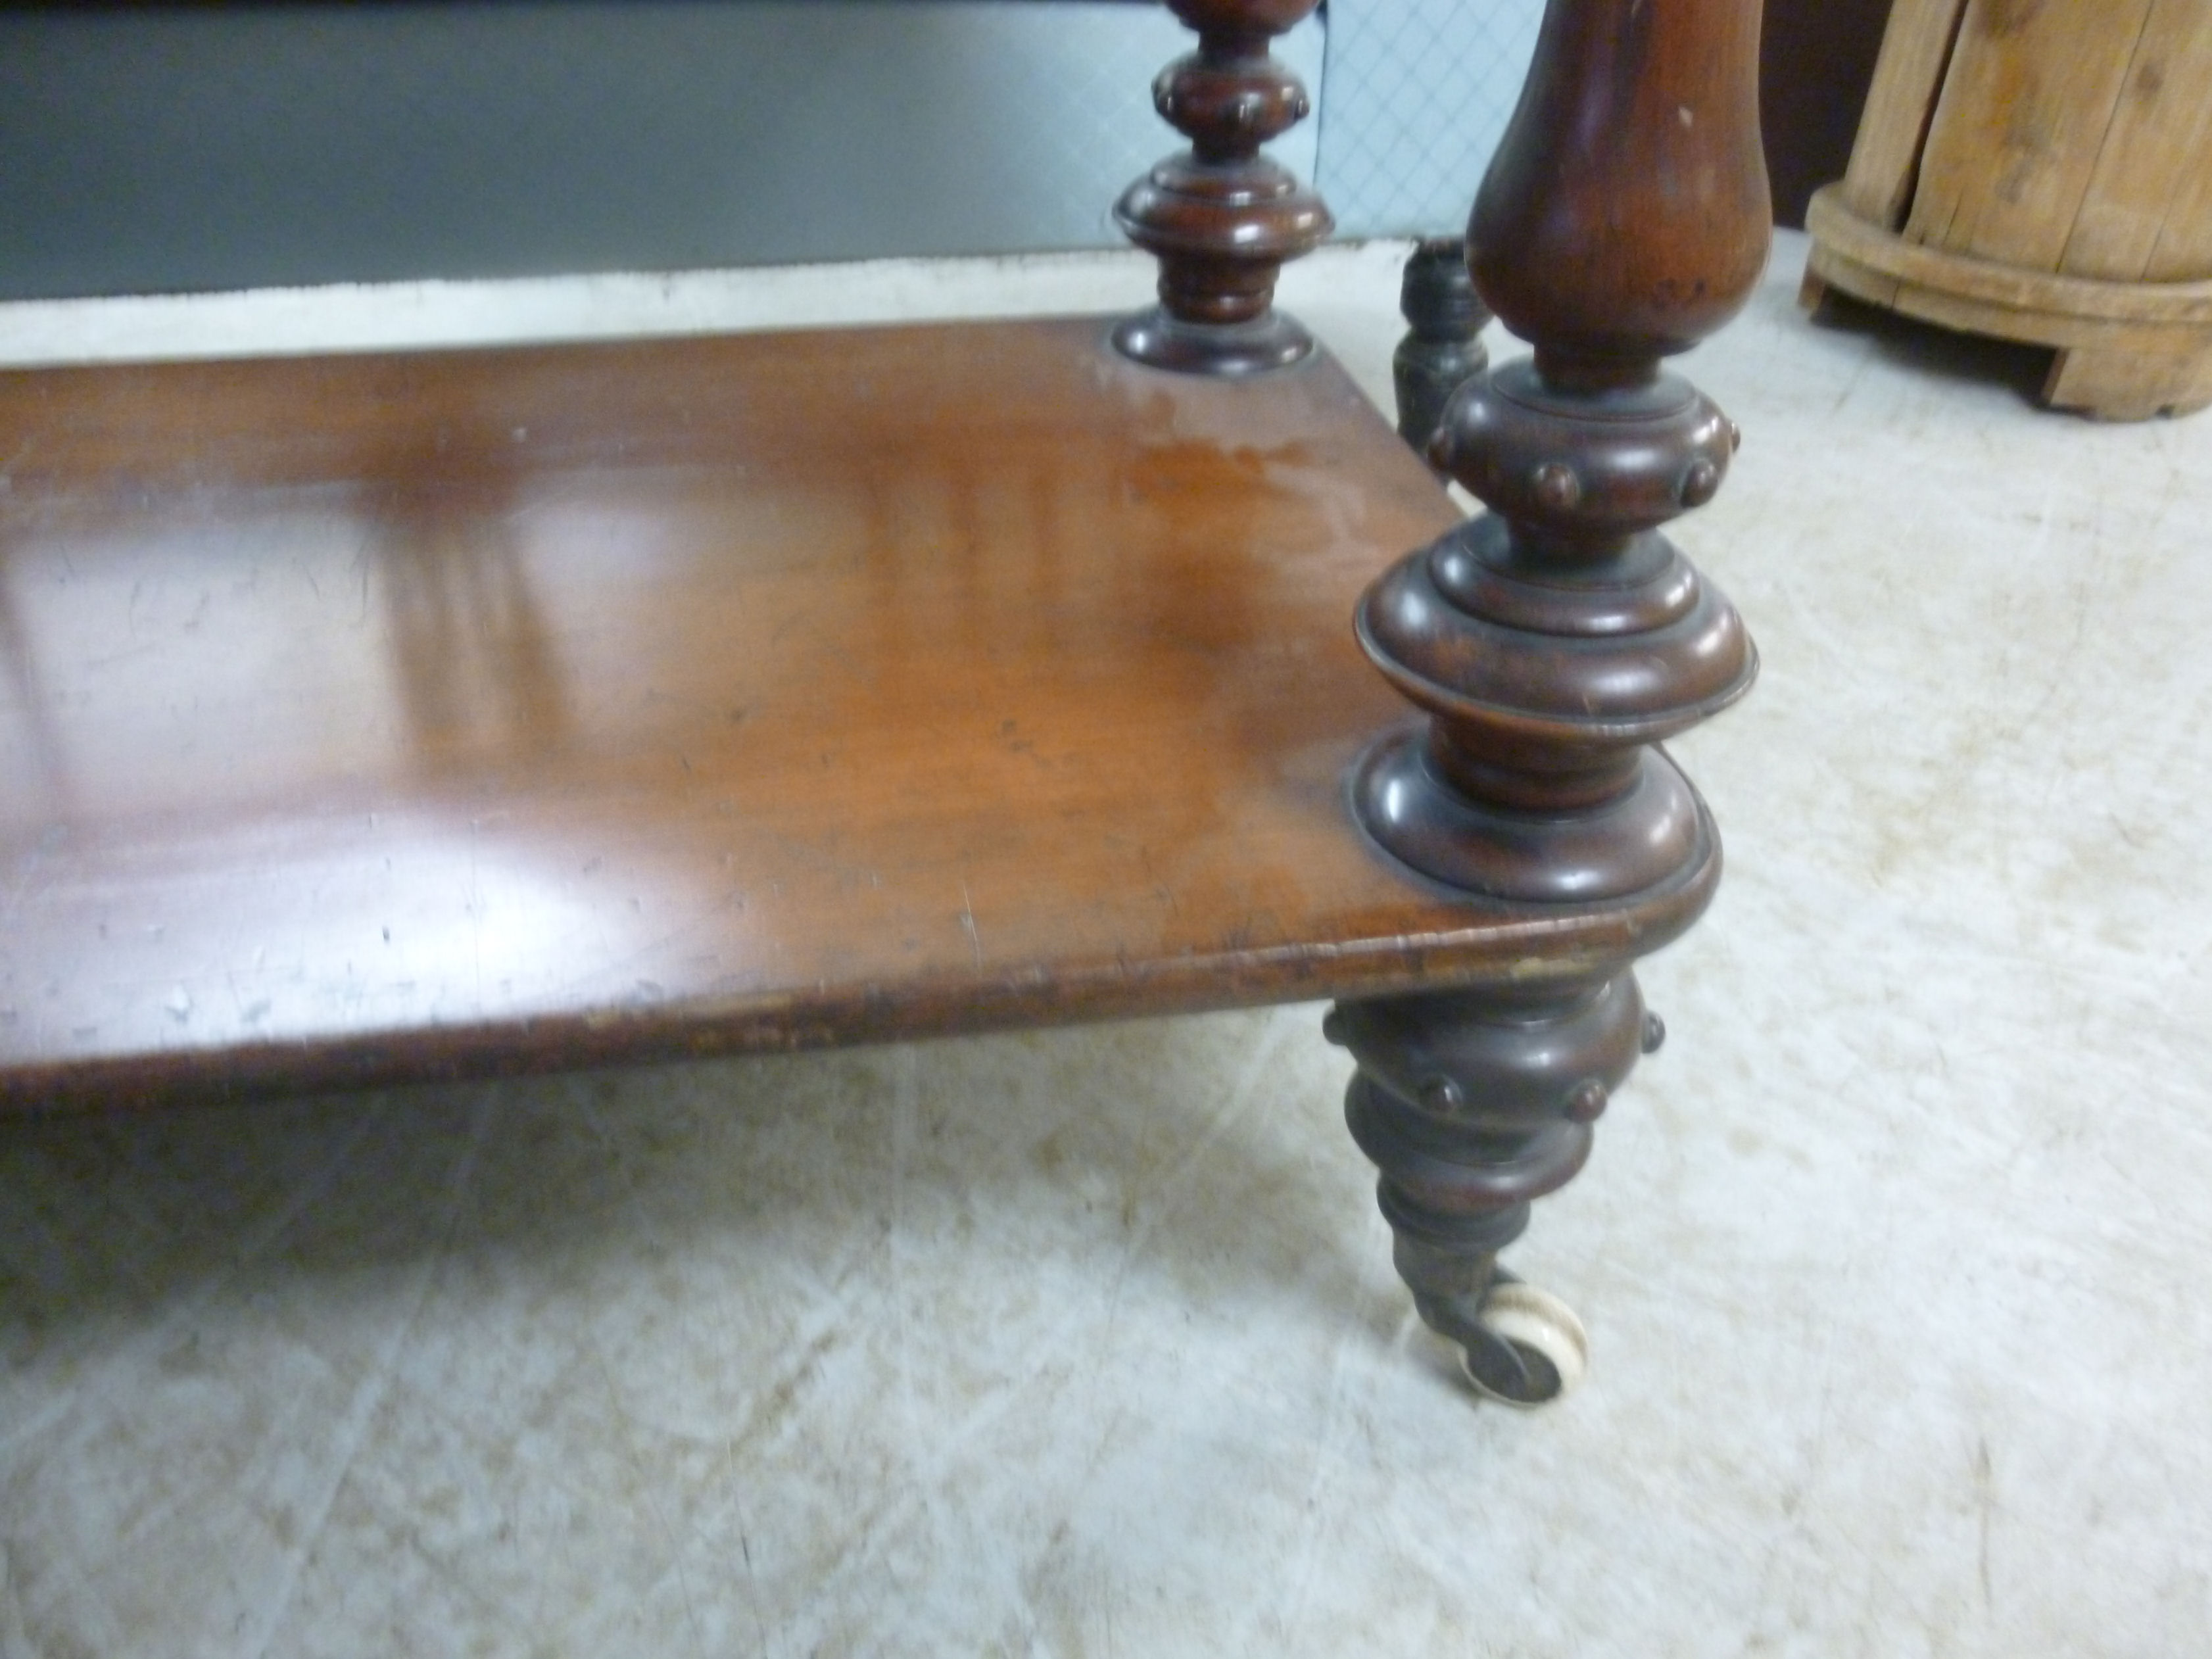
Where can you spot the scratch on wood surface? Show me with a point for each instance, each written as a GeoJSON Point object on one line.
{"type": "Point", "coordinates": [968, 925]}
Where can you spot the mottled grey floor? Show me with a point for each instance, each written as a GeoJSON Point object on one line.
{"type": "Point", "coordinates": [1087, 1342]}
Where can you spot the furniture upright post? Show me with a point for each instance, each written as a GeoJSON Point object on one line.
{"type": "Point", "coordinates": [1221, 217]}
{"type": "Point", "coordinates": [1554, 641]}
{"type": "Point", "coordinates": [1442, 349]}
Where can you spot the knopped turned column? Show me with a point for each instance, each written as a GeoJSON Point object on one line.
{"type": "Point", "coordinates": [1442, 349]}
{"type": "Point", "coordinates": [1221, 217]}
{"type": "Point", "coordinates": [1555, 640]}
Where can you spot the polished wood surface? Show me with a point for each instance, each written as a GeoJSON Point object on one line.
{"type": "Point", "coordinates": [393, 715]}
{"type": "Point", "coordinates": [1627, 209]}
{"type": "Point", "coordinates": [1554, 639]}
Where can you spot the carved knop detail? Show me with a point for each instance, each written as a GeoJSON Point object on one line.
{"type": "Point", "coordinates": [1221, 217]}
{"type": "Point", "coordinates": [1472, 1105]}
{"type": "Point", "coordinates": [1443, 349]}
{"type": "Point", "coordinates": [1556, 637]}
{"type": "Point", "coordinates": [1588, 1103]}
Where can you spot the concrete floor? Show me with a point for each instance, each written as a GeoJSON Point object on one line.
{"type": "Point", "coordinates": [1087, 1342]}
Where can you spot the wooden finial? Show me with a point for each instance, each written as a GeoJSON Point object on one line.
{"type": "Point", "coordinates": [1221, 217]}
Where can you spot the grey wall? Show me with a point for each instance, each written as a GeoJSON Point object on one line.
{"type": "Point", "coordinates": [161, 147]}
{"type": "Point", "coordinates": [145, 149]}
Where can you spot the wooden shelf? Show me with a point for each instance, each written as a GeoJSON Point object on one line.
{"type": "Point", "coordinates": [394, 716]}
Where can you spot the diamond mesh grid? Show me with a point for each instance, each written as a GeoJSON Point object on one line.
{"type": "Point", "coordinates": [1415, 95]}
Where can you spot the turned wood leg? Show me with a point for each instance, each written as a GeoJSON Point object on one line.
{"type": "Point", "coordinates": [1221, 217]}
{"type": "Point", "coordinates": [1442, 349]}
{"type": "Point", "coordinates": [1555, 640]}
{"type": "Point", "coordinates": [1473, 1105]}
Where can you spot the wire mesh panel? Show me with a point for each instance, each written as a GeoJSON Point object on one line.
{"type": "Point", "coordinates": [1415, 96]}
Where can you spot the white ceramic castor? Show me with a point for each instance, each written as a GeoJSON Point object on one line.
{"type": "Point", "coordinates": [1550, 1349]}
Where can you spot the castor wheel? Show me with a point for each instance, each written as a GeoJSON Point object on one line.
{"type": "Point", "coordinates": [1527, 1349]}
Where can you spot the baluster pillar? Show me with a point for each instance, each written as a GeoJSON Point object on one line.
{"type": "Point", "coordinates": [1442, 349]}
{"type": "Point", "coordinates": [1221, 217]}
{"type": "Point", "coordinates": [1553, 640]}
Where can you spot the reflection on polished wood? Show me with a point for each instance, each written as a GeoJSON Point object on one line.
{"type": "Point", "coordinates": [398, 716]}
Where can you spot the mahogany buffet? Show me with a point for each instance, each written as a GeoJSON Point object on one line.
{"type": "Point", "coordinates": [390, 717]}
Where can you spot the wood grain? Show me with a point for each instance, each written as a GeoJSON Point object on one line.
{"type": "Point", "coordinates": [2027, 103]}
{"type": "Point", "coordinates": [1915, 50]}
{"type": "Point", "coordinates": [2125, 383]}
{"type": "Point", "coordinates": [2156, 155]}
{"type": "Point", "coordinates": [2183, 252]}
{"type": "Point", "coordinates": [2001, 288]}
{"type": "Point", "coordinates": [2126, 350]}
{"type": "Point", "coordinates": [392, 716]}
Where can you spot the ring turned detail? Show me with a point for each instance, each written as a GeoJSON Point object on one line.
{"type": "Point", "coordinates": [1554, 639]}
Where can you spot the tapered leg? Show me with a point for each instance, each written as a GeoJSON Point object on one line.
{"type": "Point", "coordinates": [1474, 1104]}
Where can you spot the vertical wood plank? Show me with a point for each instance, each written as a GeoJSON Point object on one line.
{"type": "Point", "coordinates": [2130, 386]}
{"type": "Point", "coordinates": [2160, 144]}
{"type": "Point", "coordinates": [1886, 158]}
{"type": "Point", "coordinates": [2025, 105]}
{"type": "Point", "coordinates": [2183, 252]}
